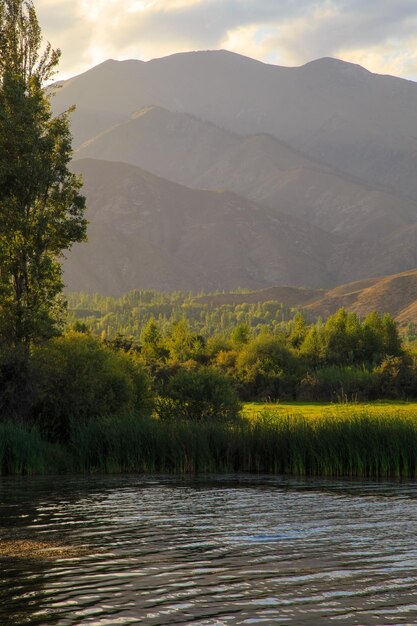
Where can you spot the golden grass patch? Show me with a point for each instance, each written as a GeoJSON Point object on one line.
{"type": "Point", "coordinates": [31, 549]}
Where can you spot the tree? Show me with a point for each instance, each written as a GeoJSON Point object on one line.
{"type": "Point", "coordinates": [41, 209]}
{"type": "Point", "coordinates": [79, 378]}
{"type": "Point", "coordinates": [199, 395]}
{"type": "Point", "coordinates": [265, 368]}
{"type": "Point", "coordinates": [241, 334]}
{"type": "Point", "coordinates": [153, 349]}
{"type": "Point", "coordinates": [183, 345]}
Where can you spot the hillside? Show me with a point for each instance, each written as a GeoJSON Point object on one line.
{"type": "Point", "coordinates": [183, 149]}
{"type": "Point", "coordinates": [395, 294]}
{"type": "Point", "coordinates": [148, 233]}
{"type": "Point", "coordinates": [322, 155]}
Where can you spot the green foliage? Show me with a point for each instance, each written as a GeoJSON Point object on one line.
{"type": "Point", "coordinates": [265, 368]}
{"type": "Point", "coordinates": [129, 314]}
{"type": "Point", "coordinates": [153, 349]}
{"type": "Point", "coordinates": [41, 210]}
{"type": "Point", "coordinates": [270, 353]}
{"type": "Point", "coordinates": [396, 378]}
{"type": "Point", "coordinates": [298, 330]}
{"type": "Point", "coordinates": [77, 378]}
{"type": "Point", "coordinates": [339, 384]}
{"type": "Point", "coordinates": [183, 345]}
{"type": "Point", "coordinates": [343, 340]}
{"type": "Point", "coordinates": [241, 334]}
{"type": "Point", "coordinates": [198, 394]}
{"type": "Point", "coordinates": [380, 337]}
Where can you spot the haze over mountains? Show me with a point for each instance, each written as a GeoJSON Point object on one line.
{"type": "Point", "coordinates": [149, 232]}
{"type": "Point", "coordinates": [183, 149]}
{"type": "Point", "coordinates": [323, 159]}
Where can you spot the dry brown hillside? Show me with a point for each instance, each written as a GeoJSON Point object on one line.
{"type": "Point", "coordinates": [395, 294]}
{"type": "Point", "coordinates": [191, 152]}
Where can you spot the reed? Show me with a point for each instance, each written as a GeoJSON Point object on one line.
{"type": "Point", "coordinates": [357, 443]}
{"type": "Point", "coordinates": [22, 451]}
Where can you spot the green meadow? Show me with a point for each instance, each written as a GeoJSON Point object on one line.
{"type": "Point", "coordinates": [255, 410]}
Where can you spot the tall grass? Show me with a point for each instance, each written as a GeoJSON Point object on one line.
{"type": "Point", "coordinates": [22, 451]}
{"type": "Point", "coordinates": [360, 444]}
{"type": "Point", "coordinates": [133, 444]}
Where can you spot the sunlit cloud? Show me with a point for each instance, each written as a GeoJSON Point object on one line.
{"type": "Point", "coordinates": [379, 34]}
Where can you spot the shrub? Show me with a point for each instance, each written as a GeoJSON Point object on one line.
{"type": "Point", "coordinates": [334, 383]}
{"type": "Point", "coordinates": [266, 369]}
{"type": "Point", "coordinates": [395, 378]}
{"type": "Point", "coordinates": [76, 377]}
{"type": "Point", "coordinates": [199, 395]}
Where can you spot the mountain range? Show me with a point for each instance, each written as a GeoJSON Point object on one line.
{"type": "Point", "coordinates": [209, 170]}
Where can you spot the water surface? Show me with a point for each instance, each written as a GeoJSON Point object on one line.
{"type": "Point", "coordinates": [211, 552]}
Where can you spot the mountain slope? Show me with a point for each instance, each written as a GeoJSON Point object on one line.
{"type": "Point", "coordinates": [395, 294]}
{"type": "Point", "coordinates": [358, 122]}
{"type": "Point", "coordinates": [147, 232]}
{"type": "Point", "coordinates": [183, 149]}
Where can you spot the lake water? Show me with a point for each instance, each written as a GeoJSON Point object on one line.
{"type": "Point", "coordinates": [210, 552]}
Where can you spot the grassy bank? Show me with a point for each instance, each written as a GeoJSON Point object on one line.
{"type": "Point", "coordinates": [362, 442]}
{"type": "Point", "coordinates": [254, 410]}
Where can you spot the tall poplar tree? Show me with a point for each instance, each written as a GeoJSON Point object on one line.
{"type": "Point", "coordinates": [41, 209]}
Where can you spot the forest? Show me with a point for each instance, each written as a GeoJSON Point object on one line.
{"type": "Point", "coordinates": [269, 352]}
{"type": "Point", "coordinates": [169, 398]}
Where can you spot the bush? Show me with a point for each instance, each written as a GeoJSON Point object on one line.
{"type": "Point", "coordinates": [76, 377]}
{"type": "Point", "coordinates": [334, 383]}
{"type": "Point", "coordinates": [199, 395]}
{"type": "Point", "coordinates": [396, 378]}
{"type": "Point", "coordinates": [266, 369]}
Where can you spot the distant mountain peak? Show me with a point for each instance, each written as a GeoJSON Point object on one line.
{"type": "Point", "coordinates": [333, 64]}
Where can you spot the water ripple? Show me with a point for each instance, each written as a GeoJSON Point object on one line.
{"type": "Point", "coordinates": [210, 552]}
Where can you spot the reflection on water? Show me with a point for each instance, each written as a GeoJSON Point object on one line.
{"type": "Point", "coordinates": [210, 552]}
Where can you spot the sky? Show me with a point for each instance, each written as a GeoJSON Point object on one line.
{"type": "Point", "coordinates": [381, 35]}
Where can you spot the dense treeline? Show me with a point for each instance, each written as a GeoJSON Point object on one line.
{"type": "Point", "coordinates": [172, 370]}
{"type": "Point", "coordinates": [268, 351]}
{"type": "Point", "coordinates": [127, 315]}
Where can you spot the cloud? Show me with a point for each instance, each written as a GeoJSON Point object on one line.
{"type": "Point", "coordinates": [376, 33]}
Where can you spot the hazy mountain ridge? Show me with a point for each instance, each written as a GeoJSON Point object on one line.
{"type": "Point", "coordinates": [147, 232]}
{"type": "Point", "coordinates": [356, 121]}
{"type": "Point", "coordinates": [198, 154]}
{"type": "Point", "coordinates": [218, 120]}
